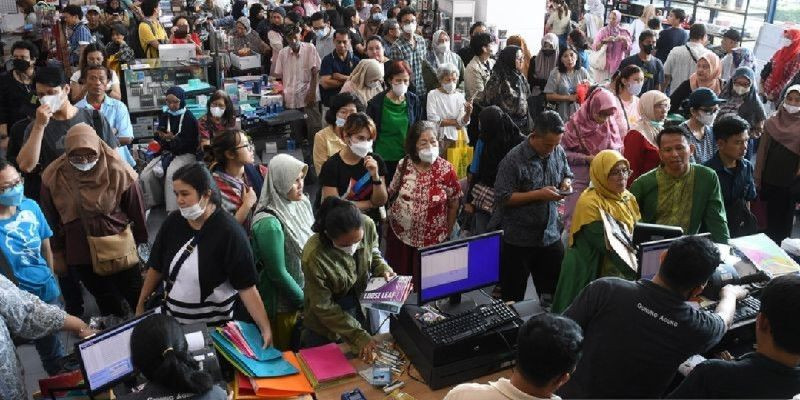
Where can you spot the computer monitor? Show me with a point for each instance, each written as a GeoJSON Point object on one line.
{"type": "Point", "coordinates": [643, 232]}
{"type": "Point", "coordinates": [649, 256]}
{"type": "Point", "coordinates": [452, 268]}
{"type": "Point", "coordinates": [106, 357]}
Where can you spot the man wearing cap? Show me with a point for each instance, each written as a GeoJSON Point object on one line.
{"type": "Point", "coordinates": [735, 56]}
{"type": "Point", "coordinates": [100, 32]}
{"type": "Point", "coordinates": [80, 37]}
{"type": "Point", "coordinates": [530, 180]}
{"type": "Point", "coordinates": [680, 192]}
{"type": "Point", "coordinates": [703, 106]}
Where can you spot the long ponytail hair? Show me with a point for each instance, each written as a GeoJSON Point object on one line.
{"type": "Point", "coordinates": [160, 352]}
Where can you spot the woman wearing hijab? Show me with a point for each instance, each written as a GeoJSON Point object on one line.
{"type": "Point", "coordinates": [640, 147]}
{"type": "Point", "coordinates": [507, 88]}
{"type": "Point", "coordinates": [439, 54]}
{"type": "Point", "coordinates": [617, 41]}
{"type": "Point", "coordinates": [517, 40]}
{"type": "Point", "coordinates": [366, 80]}
{"type": "Point", "coordinates": [539, 71]}
{"type": "Point", "coordinates": [743, 100]}
{"type": "Point", "coordinates": [90, 186]}
{"type": "Point", "coordinates": [588, 257]}
{"type": "Point", "coordinates": [639, 25]}
{"type": "Point", "coordinates": [707, 74]}
{"type": "Point", "coordinates": [498, 135]}
{"type": "Point", "coordinates": [595, 12]}
{"type": "Point", "coordinates": [245, 41]}
{"type": "Point", "coordinates": [778, 165]}
{"type": "Point", "coordinates": [179, 140]}
{"type": "Point", "coordinates": [558, 21]}
{"type": "Point", "coordinates": [281, 228]}
{"type": "Point", "coordinates": [590, 130]}
{"type": "Point", "coordinates": [785, 63]}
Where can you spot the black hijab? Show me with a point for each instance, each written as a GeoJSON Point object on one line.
{"type": "Point", "coordinates": [499, 135]}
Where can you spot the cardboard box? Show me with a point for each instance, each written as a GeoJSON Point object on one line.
{"type": "Point", "coordinates": [246, 62]}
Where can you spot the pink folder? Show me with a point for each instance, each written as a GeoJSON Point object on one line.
{"type": "Point", "coordinates": [327, 362]}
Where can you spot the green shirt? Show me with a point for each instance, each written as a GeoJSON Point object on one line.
{"type": "Point", "coordinates": [330, 274]}
{"type": "Point", "coordinates": [392, 134]}
{"type": "Point", "coordinates": [707, 210]}
{"type": "Point", "coordinates": [280, 278]}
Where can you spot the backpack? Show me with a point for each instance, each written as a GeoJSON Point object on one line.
{"type": "Point", "coordinates": [133, 40]}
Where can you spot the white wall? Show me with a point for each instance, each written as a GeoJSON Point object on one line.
{"type": "Point", "coordinates": [518, 17]}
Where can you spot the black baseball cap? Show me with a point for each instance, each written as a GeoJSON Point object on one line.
{"type": "Point", "coordinates": [733, 34]}
{"type": "Point", "coordinates": [703, 97]}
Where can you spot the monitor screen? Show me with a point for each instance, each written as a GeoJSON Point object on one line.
{"type": "Point", "coordinates": [650, 258]}
{"type": "Point", "coordinates": [460, 266]}
{"type": "Point", "coordinates": [106, 357]}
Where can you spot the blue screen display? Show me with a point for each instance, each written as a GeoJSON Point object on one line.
{"type": "Point", "coordinates": [459, 267]}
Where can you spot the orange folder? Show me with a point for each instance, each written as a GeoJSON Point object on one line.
{"type": "Point", "coordinates": [284, 386]}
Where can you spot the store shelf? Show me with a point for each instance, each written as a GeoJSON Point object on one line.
{"type": "Point", "coordinates": [720, 9]}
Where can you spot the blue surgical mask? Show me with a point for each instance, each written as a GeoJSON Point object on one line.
{"type": "Point", "coordinates": [174, 113]}
{"type": "Point", "coordinates": [12, 196]}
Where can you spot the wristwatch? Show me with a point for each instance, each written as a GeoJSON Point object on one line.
{"type": "Point", "coordinates": [377, 182]}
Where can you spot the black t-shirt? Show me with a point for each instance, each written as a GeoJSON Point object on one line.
{"type": "Point", "coordinates": [753, 376]}
{"type": "Point", "coordinates": [56, 130]}
{"type": "Point", "coordinates": [208, 280]}
{"type": "Point", "coordinates": [636, 334]}
{"type": "Point", "coordinates": [653, 71]}
{"type": "Point", "coordinates": [154, 391]}
{"type": "Point", "coordinates": [668, 39]}
{"type": "Point", "coordinates": [18, 101]}
{"type": "Point", "coordinates": [353, 182]}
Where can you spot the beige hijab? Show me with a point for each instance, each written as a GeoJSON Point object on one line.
{"type": "Point", "coordinates": [367, 70]}
{"type": "Point", "coordinates": [99, 189]}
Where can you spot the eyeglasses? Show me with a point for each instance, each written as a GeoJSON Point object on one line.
{"type": "Point", "coordinates": [619, 173]}
{"type": "Point", "coordinates": [5, 188]}
{"type": "Point", "coordinates": [249, 146]}
{"type": "Point", "coordinates": [82, 158]}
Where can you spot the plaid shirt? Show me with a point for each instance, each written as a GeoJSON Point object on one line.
{"type": "Point", "coordinates": [413, 56]}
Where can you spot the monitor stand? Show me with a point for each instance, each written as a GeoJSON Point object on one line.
{"type": "Point", "coordinates": [456, 304]}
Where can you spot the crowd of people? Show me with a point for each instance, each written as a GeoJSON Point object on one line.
{"type": "Point", "coordinates": [658, 129]}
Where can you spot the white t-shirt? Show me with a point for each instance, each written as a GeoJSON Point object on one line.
{"type": "Point", "coordinates": [636, 28]}
{"type": "Point", "coordinates": [446, 106]}
{"type": "Point", "coordinates": [114, 78]}
{"type": "Point", "coordinates": [680, 64]}
{"type": "Point", "coordinates": [501, 389]}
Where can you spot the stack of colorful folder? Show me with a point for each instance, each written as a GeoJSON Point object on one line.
{"type": "Point", "coordinates": [241, 344]}
{"type": "Point", "coordinates": [325, 366]}
{"type": "Point", "coordinates": [294, 386]}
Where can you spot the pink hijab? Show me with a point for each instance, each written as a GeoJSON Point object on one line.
{"type": "Point", "coordinates": [584, 135]}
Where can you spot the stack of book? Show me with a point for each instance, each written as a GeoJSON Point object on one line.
{"type": "Point", "coordinates": [384, 295]}
{"type": "Point", "coordinates": [325, 366]}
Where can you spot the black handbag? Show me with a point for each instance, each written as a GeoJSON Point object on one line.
{"type": "Point", "coordinates": [741, 221]}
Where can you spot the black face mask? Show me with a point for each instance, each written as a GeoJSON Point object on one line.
{"type": "Point", "coordinates": [647, 48]}
{"type": "Point", "coordinates": [21, 65]}
{"type": "Point", "coordinates": [548, 52]}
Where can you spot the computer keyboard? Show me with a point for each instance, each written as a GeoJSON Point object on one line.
{"type": "Point", "coordinates": [746, 309]}
{"type": "Point", "coordinates": [474, 322]}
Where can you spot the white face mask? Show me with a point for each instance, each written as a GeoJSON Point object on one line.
{"type": "Point", "coordinates": [449, 87]}
{"type": "Point", "coordinates": [443, 47]}
{"type": "Point", "coordinates": [83, 167]}
{"type": "Point", "coordinates": [429, 155]}
{"type": "Point", "coordinates": [361, 149]}
{"type": "Point", "coordinates": [790, 108]}
{"type": "Point", "coordinates": [54, 101]}
{"type": "Point", "coordinates": [741, 90]}
{"type": "Point", "coordinates": [786, 42]}
{"type": "Point", "coordinates": [410, 28]}
{"type": "Point", "coordinates": [374, 84]}
{"type": "Point", "coordinates": [340, 122]}
{"type": "Point", "coordinates": [399, 89]}
{"type": "Point", "coordinates": [635, 88]}
{"type": "Point", "coordinates": [706, 119]}
{"type": "Point", "coordinates": [217, 112]}
{"type": "Point", "coordinates": [192, 213]}
{"type": "Point", "coordinates": [349, 250]}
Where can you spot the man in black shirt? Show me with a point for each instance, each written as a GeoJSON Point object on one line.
{"type": "Point", "coordinates": [18, 101]}
{"type": "Point", "coordinates": [673, 36]}
{"type": "Point", "coordinates": [466, 52]}
{"type": "Point", "coordinates": [652, 67]}
{"type": "Point", "coordinates": [636, 334]}
{"type": "Point", "coordinates": [773, 370]}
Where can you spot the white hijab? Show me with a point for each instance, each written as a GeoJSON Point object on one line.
{"type": "Point", "coordinates": [296, 217]}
